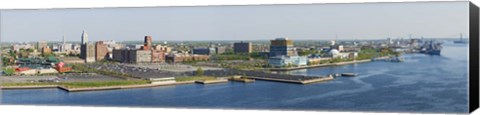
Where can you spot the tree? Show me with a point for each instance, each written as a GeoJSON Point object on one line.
{"type": "Point", "coordinates": [199, 71]}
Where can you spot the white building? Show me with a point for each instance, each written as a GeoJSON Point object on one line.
{"type": "Point", "coordinates": [282, 61]}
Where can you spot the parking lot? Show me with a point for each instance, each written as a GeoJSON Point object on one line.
{"type": "Point", "coordinates": [147, 71]}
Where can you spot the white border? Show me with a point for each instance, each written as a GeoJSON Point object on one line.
{"type": "Point", "coordinates": [76, 110]}
{"type": "Point", "coordinates": [46, 4]}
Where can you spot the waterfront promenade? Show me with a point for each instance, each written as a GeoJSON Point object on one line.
{"type": "Point", "coordinates": [94, 88]}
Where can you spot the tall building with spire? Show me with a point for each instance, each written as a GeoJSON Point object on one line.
{"type": "Point", "coordinates": [84, 37]}
{"type": "Point", "coordinates": [87, 50]}
{"type": "Point", "coordinates": [64, 42]}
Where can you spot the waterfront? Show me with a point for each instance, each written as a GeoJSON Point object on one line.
{"type": "Point", "coordinates": [422, 83]}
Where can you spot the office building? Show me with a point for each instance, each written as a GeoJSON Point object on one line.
{"type": "Point", "coordinates": [132, 55]}
{"type": "Point", "coordinates": [287, 61]}
{"type": "Point", "coordinates": [84, 39]}
{"type": "Point", "coordinates": [83, 45]}
{"type": "Point", "coordinates": [282, 47]}
{"type": "Point", "coordinates": [242, 47]}
{"type": "Point", "coordinates": [204, 51]}
{"type": "Point", "coordinates": [283, 54]}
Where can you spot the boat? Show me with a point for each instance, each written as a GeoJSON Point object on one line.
{"type": "Point", "coordinates": [461, 41]}
{"type": "Point", "coordinates": [349, 74]}
{"type": "Point", "coordinates": [431, 48]}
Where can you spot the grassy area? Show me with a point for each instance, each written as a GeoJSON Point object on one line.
{"type": "Point", "coordinates": [82, 84]}
{"type": "Point", "coordinates": [194, 78]}
{"type": "Point", "coordinates": [8, 71]}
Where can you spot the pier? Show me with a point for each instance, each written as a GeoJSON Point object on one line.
{"type": "Point", "coordinates": [94, 88]}
{"type": "Point", "coordinates": [294, 80]}
{"type": "Point", "coordinates": [244, 80]}
{"type": "Point", "coordinates": [211, 81]}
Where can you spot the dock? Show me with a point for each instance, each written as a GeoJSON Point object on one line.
{"type": "Point", "coordinates": [296, 81]}
{"type": "Point", "coordinates": [244, 80]}
{"type": "Point", "coordinates": [211, 81]}
{"type": "Point", "coordinates": [94, 88]}
{"type": "Point", "coordinates": [29, 87]}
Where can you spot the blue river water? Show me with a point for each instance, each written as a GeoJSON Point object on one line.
{"type": "Point", "coordinates": [422, 83]}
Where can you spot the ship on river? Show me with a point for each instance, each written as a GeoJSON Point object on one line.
{"type": "Point", "coordinates": [461, 41]}
{"type": "Point", "coordinates": [431, 48]}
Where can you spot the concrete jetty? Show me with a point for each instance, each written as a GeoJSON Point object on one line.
{"type": "Point", "coordinates": [244, 80]}
{"type": "Point", "coordinates": [299, 81]}
{"type": "Point", "coordinates": [28, 87]}
{"type": "Point", "coordinates": [211, 81]}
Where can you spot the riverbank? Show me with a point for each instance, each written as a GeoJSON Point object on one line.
{"type": "Point", "coordinates": [328, 64]}
{"type": "Point", "coordinates": [73, 89]}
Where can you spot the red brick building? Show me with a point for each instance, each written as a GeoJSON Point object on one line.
{"type": "Point", "coordinates": [101, 50]}
{"type": "Point", "coordinates": [158, 56]}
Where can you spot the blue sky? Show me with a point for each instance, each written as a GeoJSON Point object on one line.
{"type": "Point", "coordinates": [264, 22]}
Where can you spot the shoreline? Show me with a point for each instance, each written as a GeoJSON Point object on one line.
{"type": "Point", "coordinates": [193, 81]}
{"type": "Point", "coordinates": [93, 88]}
{"type": "Point", "coordinates": [325, 65]}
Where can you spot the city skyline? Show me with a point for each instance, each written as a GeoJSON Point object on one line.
{"type": "Point", "coordinates": [256, 22]}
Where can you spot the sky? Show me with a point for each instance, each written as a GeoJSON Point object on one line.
{"type": "Point", "coordinates": [258, 22]}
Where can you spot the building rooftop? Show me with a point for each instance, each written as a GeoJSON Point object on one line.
{"type": "Point", "coordinates": [281, 38]}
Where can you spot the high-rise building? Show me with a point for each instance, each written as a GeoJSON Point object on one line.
{"type": "Point", "coordinates": [283, 54]}
{"type": "Point", "coordinates": [84, 37]}
{"type": "Point", "coordinates": [83, 45]}
{"type": "Point", "coordinates": [41, 44]}
{"type": "Point", "coordinates": [242, 47]}
{"type": "Point", "coordinates": [101, 50]}
{"type": "Point", "coordinates": [87, 50]}
{"type": "Point", "coordinates": [282, 47]}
